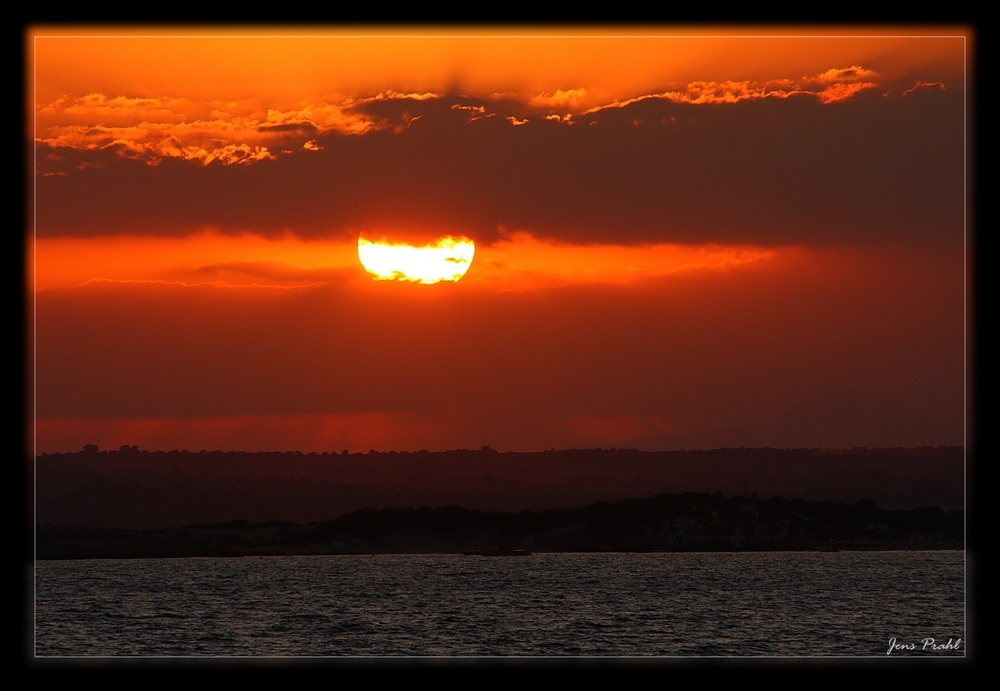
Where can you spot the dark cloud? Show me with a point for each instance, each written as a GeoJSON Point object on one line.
{"type": "Point", "coordinates": [304, 128]}
{"type": "Point", "coordinates": [770, 171]}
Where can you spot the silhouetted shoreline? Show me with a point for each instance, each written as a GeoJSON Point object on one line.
{"type": "Point", "coordinates": [686, 522]}
{"type": "Point", "coordinates": [132, 488]}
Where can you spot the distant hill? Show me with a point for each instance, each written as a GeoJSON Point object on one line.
{"type": "Point", "coordinates": [678, 522]}
{"type": "Point", "coordinates": [130, 488]}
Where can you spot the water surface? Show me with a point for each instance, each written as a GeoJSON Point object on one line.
{"type": "Point", "coordinates": [784, 604]}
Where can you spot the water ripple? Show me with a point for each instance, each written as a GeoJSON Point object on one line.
{"type": "Point", "coordinates": [721, 604]}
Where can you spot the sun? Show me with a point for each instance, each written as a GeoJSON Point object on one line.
{"type": "Point", "coordinates": [446, 259]}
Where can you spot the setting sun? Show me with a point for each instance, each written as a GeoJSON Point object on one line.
{"type": "Point", "coordinates": [380, 302]}
{"type": "Point", "coordinates": [445, 260]}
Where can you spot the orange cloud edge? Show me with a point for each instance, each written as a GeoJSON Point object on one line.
{"type": "Point", "coordinates": [518, 260]}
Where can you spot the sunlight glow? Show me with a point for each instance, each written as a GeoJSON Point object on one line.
{"type": "Point", "coordinates": [521, 261]}
{"type": "Point", "coordinates": [246, 259]}
{"type": "Point", "coordinates": [446, 260]}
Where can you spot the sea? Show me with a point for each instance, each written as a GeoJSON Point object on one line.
{"type": "Point", "coordinates": [846, 604]}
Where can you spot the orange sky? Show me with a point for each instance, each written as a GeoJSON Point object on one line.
{"type": "Point", "coordinates": [291, 64]}
{"type": "Point", "coordinates": [211, 85]}
{"type": "Point", "coordinates": [692, 237]}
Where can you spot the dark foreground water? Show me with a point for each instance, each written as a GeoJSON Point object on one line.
{"type": "Point", "coordinates": [775, 604]}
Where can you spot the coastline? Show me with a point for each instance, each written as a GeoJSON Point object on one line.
{"type": "Point", "coordinates": [61, 543]}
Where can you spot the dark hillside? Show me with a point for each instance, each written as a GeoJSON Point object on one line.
{"type": "Point", "coordinates": [665, 522]}
{"type": "Point", "coordinates": [130, 488]}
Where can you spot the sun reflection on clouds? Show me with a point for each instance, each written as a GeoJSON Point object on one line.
{"type": "Point", "coordinates": [208, 257]}
{"type": "Point", "coordinates": [521, 261]}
